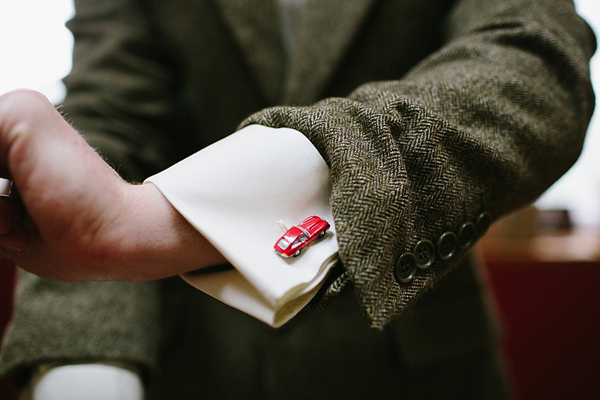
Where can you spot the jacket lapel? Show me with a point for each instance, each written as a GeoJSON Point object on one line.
{"type": "Point", "coordinates": [255, 26]}
{"type": "Point", "coordinates": [325, 30]}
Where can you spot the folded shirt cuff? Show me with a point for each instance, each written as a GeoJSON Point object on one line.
{"type": "Point", "coordinates": [234, 192]}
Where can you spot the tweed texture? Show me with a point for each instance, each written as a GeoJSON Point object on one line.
{"type": "Point", "coordinates": [52, 313]}
{"type": "Point", "coordinates": [414, 158]}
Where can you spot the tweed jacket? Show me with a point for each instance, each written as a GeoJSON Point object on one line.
{"type": "Point", "coordinates": [436, 117]}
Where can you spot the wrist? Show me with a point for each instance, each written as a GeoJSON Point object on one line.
{"type": "Point", "coordinates": [157, 241]}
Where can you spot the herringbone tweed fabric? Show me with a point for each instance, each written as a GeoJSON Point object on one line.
{"type": "Point", "coordinates": [428, 113]}
{"type": "Point", "coordinates": [478, 126]}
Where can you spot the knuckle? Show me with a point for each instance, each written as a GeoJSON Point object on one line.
{"type": "Point", "coordinates": [22, 103]}
{"type": "Point", "coordinates": [23, 100]}
{"type": "Point", "coordinates": [20, 112]}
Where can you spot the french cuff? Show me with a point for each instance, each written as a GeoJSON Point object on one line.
{"type": "Point", "coordinates": [234, 193]}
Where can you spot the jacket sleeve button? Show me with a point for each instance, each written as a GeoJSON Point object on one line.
{"type": "Point", "coordinates": [447, 245]}
{"type": "Point", "coordinates": [424, 253]}
{"type": "Point", "coordinates": [466, 235]}
{"type": "Point", "coordinates": [482, 223]}
{"type": "Point", "coordinates": [405, 267]}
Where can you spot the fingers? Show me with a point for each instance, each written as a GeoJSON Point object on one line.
{"type": "Point", "coordinates": [75, 202]}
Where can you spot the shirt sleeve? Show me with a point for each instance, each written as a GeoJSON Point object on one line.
{"type": "Point", "coordinates": [235, 192]}
{"type": "Point", "coordinates": [102, 381]}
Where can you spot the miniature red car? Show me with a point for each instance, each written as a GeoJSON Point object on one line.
{"type": "Point", "coordinates": [298, 237]}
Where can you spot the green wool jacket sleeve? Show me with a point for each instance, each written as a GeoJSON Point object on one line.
{"type": "Point", "coordinates": [483, 125]}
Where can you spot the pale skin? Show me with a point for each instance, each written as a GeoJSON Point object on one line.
{"type": "Point", "coordinates": [74, 218]}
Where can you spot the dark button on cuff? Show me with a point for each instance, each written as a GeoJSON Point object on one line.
{"type": "Point", "coordinates": [447, 245]}
{"type": "Point", "coordinates": [424, 253]}
{"type": "Point", "coordinates": [405, 267]}
{"type": "Point", "coordinates": [466, 235]}
{"type": "Point", "coordinates": [482, 223]}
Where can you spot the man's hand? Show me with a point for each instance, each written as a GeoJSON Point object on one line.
{"type": "Point", "coordinates": [72, 217]}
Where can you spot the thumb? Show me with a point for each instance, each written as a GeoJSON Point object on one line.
{"type": "Point", "coordinates": [58, 175]}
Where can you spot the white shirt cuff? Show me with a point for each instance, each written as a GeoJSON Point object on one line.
{"type": "Point", "coordinates": [89, 381]}
{"type": "Point", "coordinates": [234, 192]}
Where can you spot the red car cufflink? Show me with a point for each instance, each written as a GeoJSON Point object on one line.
{"type": "Point", "coordinates": [300, 236]}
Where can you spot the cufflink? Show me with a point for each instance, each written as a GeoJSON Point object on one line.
{"type": "Point", "coordinates": [300, 236]}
